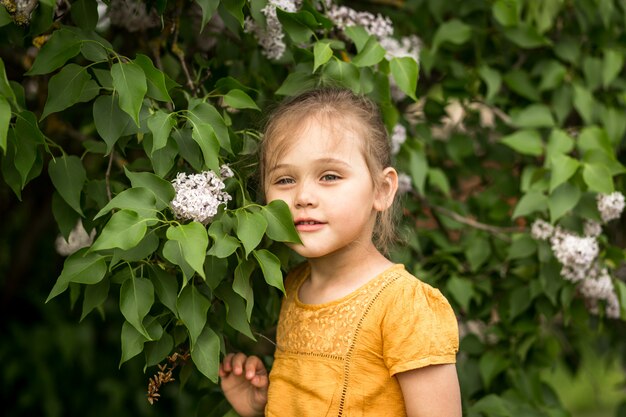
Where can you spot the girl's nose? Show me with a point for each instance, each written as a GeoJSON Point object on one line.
{"type": "Point", "coordinates": [304, 197]}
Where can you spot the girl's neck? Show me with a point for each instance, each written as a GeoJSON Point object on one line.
{"type": "Point", "coordinates": [337, 275]}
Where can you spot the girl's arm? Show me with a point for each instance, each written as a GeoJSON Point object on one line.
{"type": "Point", "coordinates": [432, 391]}
{"type": "Point", "coordinates": [245, 383]}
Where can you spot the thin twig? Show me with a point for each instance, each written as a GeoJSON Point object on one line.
{"type": "Point", "coordinates": [108, 175]}
{"type": "Point", "coordinates": [180, 54]}
{"type": "Point", "coordinates": [499, 232]}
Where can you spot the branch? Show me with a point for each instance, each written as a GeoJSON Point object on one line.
{"type": "Point", "coordinates": [108, 175]}
{"type": "Point", "coordinates": [499, 232]}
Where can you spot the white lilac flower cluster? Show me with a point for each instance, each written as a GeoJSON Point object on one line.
{"type": "Point", "coordinates": [398, 137]}
{"type": "Point", "coordinates": [377, 25]}
{"type": "Point", "coordinates": [198, 196]}
{"type": "Point", "coordinates": [408, 46]}
{"type": "Point", "coordinates": [271, 37]}
{"type": "Point", "coordinates": [578, 255]}
{"type": "Point", "coordinates": [78, 238]}
{"type": "Point", "coordinates": [132, 15]}
{"type": "Point", "coordinates": [610, 206]}
{"type": "Point", "coordinates": [404, 183]}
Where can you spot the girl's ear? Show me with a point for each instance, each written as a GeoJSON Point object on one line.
{"type": "Point", "coordinates": [387, 189]}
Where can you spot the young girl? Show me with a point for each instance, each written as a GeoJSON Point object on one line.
{"type": "Point", "coordinates": [357, 334]}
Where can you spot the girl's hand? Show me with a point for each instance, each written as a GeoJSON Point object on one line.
{"type": "Point", "coordinates": [244, 382]}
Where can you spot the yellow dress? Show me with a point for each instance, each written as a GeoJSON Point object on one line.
{"type": "Point", "coordinates": [340, 358]}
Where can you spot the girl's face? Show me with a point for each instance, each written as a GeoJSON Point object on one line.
{"type": "Point", "coordinates": [323, 176]}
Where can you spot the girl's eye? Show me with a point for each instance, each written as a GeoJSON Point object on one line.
{"type": "Point", "coordinates": [330, 177]}
{"type": "Point", "coordinates": [284, 181]}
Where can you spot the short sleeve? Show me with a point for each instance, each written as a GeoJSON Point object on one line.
{"type": "Point", "coordinates": [419, 327]}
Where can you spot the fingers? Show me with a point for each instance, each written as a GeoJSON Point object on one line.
{"type": "Point", "coordinates": [251, 367]}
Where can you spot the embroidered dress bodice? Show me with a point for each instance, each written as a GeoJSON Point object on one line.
{"type": "Point", "coordinates": [339, 358]}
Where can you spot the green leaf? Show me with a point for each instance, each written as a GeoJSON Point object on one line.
{"type": "Point", "coordinates": [5, 87]}
{"type": "Point", "coordinates": [492, 405]}
{"type": "Point", "coordinates": [359, 36]}
{"type": "Point", "coordinates": [453, 31]}
{"type": "Point", "coordinates": [343, 73]}
{"type": "Point", "coordinates": [418, 168]}
{"type": "Point", "coordinates": [130, 83]}
{"type": "Point", "coordinates": [202, 112]}
{"type": "Point", "coordinates": [297, 25]}
{"type": "Point", "coordinates": [563, 167]}
{"type": "Point", "coordinates": [526, 36]}
{"type": "Point", "coordinates": [192, 308]}
{"type": "Point", "coordinates": [559, 143]}
{"type": "Point", "coordinates": [553, 74]}
{"type": "Point", "coordinates": [206, 354]}
{"type": "Point", "coordinates": [527, 142]}
{"type": "Point", "coordinates": [235, 310]}
{"type": "Point", "coordinates": [162, 189]}
{"type": "Point", "coordinates": [70, 86]}
{"type": "Point", "coordinates": [136, 299]}
{"type": "Point", "coordinates": [216, 269]}
{"type": "Point", "coordinates": [234, 8]}
{"type": "Point", "coordinates": [80, 267]}
{"type": "Point", "coordinates": [65, 217]}
{"type": "Point", "coordinates": [124, 230]}
{"type": "Point", "coordinates": [133, 341]}
{"type": "Point", "coordinates": [239, 100]}
{"type": "Point", "coordinates": [110, 120]}
{"type": "Point", "coordinates": [519, 302]}
{"type": "Point", "coordinates": [270, 265]}
{"type": "Point", "coordinates": [492, 78]}
{"type": "Point", "coordinates": [280, 226]}
{"type": "Point", "coordinates": [491, 364]}
{"type": "Point", "coordinates": [461, 290]}
{"type": "Point", "coordinates": [522, 246]}
{"type": "Point", "coordinates": [322, 52]}
{"type": "Point", "coordinates": [62, 45]}
{"type": "Point", "coordinates": [563, 199]}
{"type": "Point", "coordinates": [155, 79]}
{"type": "Point", "coordinates": [371, 54]}
{"type": "Point", "coordinates": [85, 14]}
{"type": "Point", "coordinates": [593, 138]}
{"type": "Point", "coordinates": [533, 116]}
{"type": "Point", "coordinates": [241, 284]}
{"type": "Point", "coordinates": [68, 177]}
{"type": "Point", "coordinates": [192, 241]}
{"type": "Point", "coordinates": [160, 124]}
{"type": "Point", "coordinates": [437, 178]}
{"type": "Point", "coordinates": [95, 296]}
{"type": "Point", "coordinates": [584, 103]}
{"type": "Point", "coordinates": [598, 178]}
{"type": "Point", "coordinates": [204, 135]}
{"type": "Point", "coordinates": [28, 140]}
{"type": "Point", "coordinates": [295, 83]}
{"type": "Point", "coordinates": [405, 72]}
{"type": "Point", "coordinates": [612, 66]}
{"type": "Point", "coordinates": [144, 249]}
{"type": "Point", "coordinates": [530, 202]}
{"type": "Point", "coordinates": [478, 252]}
{"type": "Point", "coordinates": [165, 287]}
{"type": "Point", "coordinates": [506, 12]}
{"type": "Point", "coordinates": [141, 200]}
{"type": "Point", "coordinates": [519, 81]}
{"type": "Point", "coordinates": [251, 227]}
{"type": "Point", "coordinates": [5, 17]}
{"type": "Point", "coordinates": [223, 244]}
{"type": "Point", "coordinates": [5, 119]}
{"type": "Point", "coordinates": [208, 10]}
{"type": "Point", "coordinates": [157, 351]}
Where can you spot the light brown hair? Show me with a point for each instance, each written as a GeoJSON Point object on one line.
{"type": "Point", "coordinates": [333, 104]}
